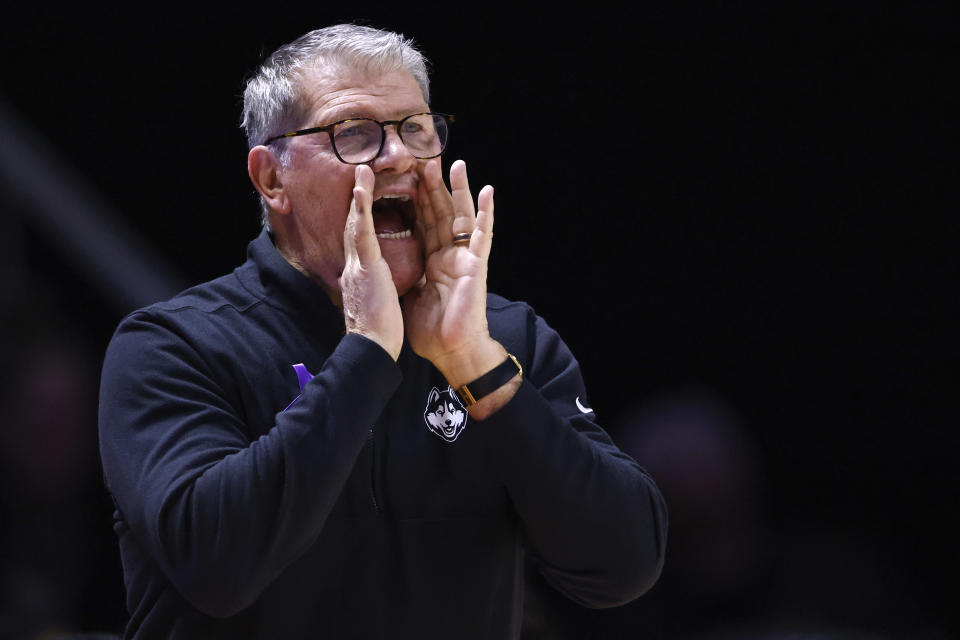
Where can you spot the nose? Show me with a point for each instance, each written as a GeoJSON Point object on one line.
{"type": "Point", "coordinates": [395, 156]}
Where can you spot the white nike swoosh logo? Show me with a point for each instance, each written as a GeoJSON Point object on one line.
{"type": "Point", "coordinates": [582, 408]}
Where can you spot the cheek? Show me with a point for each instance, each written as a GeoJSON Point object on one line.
{"type": "Point", "coordinates": [323, 204]}
{"type": "Point", "coordinates": [330, 193]}
{"type": "Point", "coordinates": [321, 182]}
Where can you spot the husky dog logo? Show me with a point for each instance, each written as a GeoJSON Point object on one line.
{"type": "Point", "coordinates": [445, 415]}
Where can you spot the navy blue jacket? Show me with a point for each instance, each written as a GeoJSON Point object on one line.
{"type": "Point", "coordinates": [249, 508]}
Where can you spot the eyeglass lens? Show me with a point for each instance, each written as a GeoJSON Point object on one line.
{"type": "Point", "coordinates": [358, 141]}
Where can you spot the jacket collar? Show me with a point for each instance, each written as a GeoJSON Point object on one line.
{"type": "Point", "coordinates": [266, 273]}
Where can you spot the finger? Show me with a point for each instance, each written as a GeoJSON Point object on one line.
{"type": "Point", "coordinates": [464, 220]}
{"type": "Point", "coordinates": [482, 239]}
{"type": "Point", "coordinates": [349, 233]}
{"type": "Point", "coordinates": [441, 201]}
{"type": "Point", "coordinates": [426, 218]}
{"type": "Point", "coordinates": [359, 234]}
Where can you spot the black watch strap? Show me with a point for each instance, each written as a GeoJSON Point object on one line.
{"type": "Point", "coordinates": [489, 382]}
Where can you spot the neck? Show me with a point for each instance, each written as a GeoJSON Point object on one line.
{"type": "Point", "coordinates": [291, 252]}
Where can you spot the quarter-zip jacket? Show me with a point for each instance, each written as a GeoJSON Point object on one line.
{"type": "Point", "coordinates": [256, 499]}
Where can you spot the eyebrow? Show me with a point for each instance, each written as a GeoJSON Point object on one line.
{"type": "Point", "coordinates": [350, 115]}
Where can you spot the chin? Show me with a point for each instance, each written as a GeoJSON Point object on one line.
{"type": "Point", "coordinates": [406, 265]}
{"type": "Point", "coordinates": [405, 282]}
{"type": "Point", "coordinates": [406, 271]}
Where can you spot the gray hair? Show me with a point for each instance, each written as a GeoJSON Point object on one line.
{"type": "Point", "coordinates": [272, 97]}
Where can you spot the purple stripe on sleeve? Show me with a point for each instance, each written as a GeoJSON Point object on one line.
{"type": "Point", "coordinates": [303, 376]}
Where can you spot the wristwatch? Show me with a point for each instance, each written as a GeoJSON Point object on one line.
{"type": "Point", "coordinates": [489, 382]}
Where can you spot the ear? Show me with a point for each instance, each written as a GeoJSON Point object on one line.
{"type": "Point", "coordinates": [434, 396]}
{"type": "Point", "coordinates": [265, 171]}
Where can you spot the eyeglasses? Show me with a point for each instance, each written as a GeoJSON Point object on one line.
{"type": "Point", "coordinates": [360, 140]}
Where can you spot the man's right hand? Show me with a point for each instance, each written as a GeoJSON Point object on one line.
{"type": "Point", "coordinates": [370, 304]}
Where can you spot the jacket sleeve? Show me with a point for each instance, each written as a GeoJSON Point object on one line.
{"type": "Point", "coordinates": [222, 515]}
{"type": "Point", "coordinates": [594, 521]}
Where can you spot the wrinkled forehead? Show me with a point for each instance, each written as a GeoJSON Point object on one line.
{"type": "Point", "coordinates": [333, 88]}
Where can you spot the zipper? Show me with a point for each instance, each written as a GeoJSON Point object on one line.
{"type": "Point", "coordinates": [373, 471]}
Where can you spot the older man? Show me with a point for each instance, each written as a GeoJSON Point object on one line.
{"type": "Point", "coordinates": [347, 436]}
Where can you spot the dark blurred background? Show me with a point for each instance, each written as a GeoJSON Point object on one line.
{"type": "Point", "coordinates": [741, 219]}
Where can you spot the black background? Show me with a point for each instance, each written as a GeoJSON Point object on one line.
{"type": "Point", "coordinates": [748, 200]}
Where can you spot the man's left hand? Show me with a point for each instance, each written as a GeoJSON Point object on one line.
{"type": "Point", "coordinates": [445, 313]}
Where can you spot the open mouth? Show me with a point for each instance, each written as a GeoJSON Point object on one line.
{"type": "Point", "coordinates": [394, 216]}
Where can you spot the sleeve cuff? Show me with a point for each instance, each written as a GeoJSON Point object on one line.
{"type": "Point", "coordinates": [361, 354]}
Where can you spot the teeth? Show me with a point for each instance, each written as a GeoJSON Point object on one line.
{"type": "Point", "coordinates": [406, 233]}
{"type": "Point", "coordinates": [402, 197]}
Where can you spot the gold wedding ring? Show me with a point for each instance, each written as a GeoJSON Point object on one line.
{"type": "Point", "coordinates": [462, 238]}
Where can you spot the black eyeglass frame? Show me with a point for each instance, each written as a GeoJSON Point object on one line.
{"type": "Point", "coordinates": [328, 129]}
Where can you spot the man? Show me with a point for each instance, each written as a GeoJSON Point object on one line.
{"type": "Point", "coordinates": [347, 437]}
